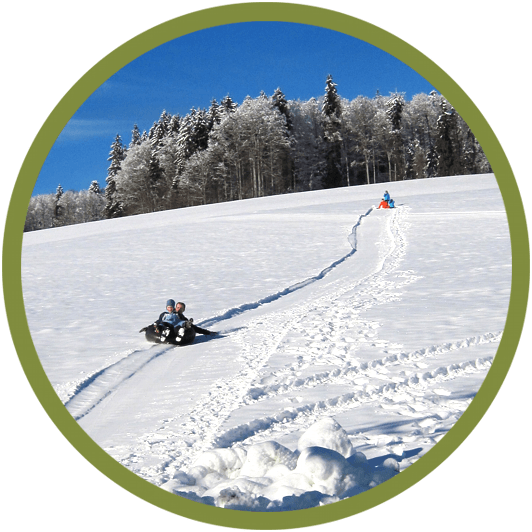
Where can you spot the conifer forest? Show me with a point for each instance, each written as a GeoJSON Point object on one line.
{"type": "Point", "coordinates": [270, 145]}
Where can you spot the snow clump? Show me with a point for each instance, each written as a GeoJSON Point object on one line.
{"type": "Point", "coordinates": [329, 434]}
{"type": "Point", "coordinates": [270, 477]}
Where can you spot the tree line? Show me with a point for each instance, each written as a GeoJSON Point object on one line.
{"type": "Point", "coordinates": [267, 146]}
{"type": "Point", "coordinates": [65, 208]}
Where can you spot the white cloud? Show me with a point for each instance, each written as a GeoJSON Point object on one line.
{"type": "Point", "coordinates": [79, 128]}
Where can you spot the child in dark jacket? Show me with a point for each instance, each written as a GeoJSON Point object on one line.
{"type": "Point", "coordinates": [187, 323]}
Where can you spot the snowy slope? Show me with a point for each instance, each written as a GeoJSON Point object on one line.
{"type": "Point", "coordinates": [385, 321]}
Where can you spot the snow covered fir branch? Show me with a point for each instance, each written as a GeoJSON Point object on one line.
{"type": "Point", "coordinates": [267, 146]}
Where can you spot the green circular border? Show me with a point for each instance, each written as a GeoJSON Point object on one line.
{"type": "Point", "coordinates": [217, 16]}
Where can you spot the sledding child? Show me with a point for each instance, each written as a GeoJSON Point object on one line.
{"type": "Point", "coordinates": [168, 318]}
{"type": "Point", "coordinates": [173, 327]}
{"type": "Point", "coordinates": [187, 323]}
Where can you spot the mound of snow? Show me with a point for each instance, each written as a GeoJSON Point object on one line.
{"type": "Point", "coordinates": [223, 462]}
{"type": "Point", "coordinates": [262, 457]}
{"type": "Point", "coordinates": [270, 477]}
{"type": "Point", "coordinates": [328, 471]}
{"type": "Point", "coordinates": [329, 434]}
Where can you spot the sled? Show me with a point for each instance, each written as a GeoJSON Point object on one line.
{"type": "Point", "coordinates": [167, 335]}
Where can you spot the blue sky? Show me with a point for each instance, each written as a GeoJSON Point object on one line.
{"type": "Point", "coordinates": [236, 59]}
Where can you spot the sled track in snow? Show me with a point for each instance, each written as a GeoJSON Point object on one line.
{"type": "Point", "coordinates": [92, 380]}
{"type": "Point", "coordinates": [262, 338]}
{"type": "Point", "coordinates": [204, 420]}
{"type": "Point", "coordinates": [231, 313]}
{"type": "Point", "coordinates": [376, 289]}
{"type": "Point", "coordinates": [95, 388]}
{"type": "Point", "coordinates": [319, 329]}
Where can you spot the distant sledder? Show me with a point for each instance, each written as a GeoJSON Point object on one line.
{"type": "Point", "coordinates": [387, 202]}
{"type": "Point", "coordinates": [172, 327]}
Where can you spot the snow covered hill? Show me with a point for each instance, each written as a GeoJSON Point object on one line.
{"type": "Point", "coordinates": [352, 339]}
